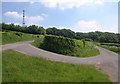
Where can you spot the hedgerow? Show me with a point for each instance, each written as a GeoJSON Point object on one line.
{"type": "Point", "coordinates": [67, 46]}
{"type": "Point", "coordinates": [59, 44]}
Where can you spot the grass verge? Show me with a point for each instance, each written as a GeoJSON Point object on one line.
{"type": "Point", "coordinates": [18, 67]}
{"type": "Point", "coordinates": [12, 37]}
{"type": "Point", "coordinates": [111, 46]}
{"type": "Point", "coordinates": [87, 51]}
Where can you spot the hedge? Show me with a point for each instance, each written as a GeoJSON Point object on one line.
{"type": "Point", "coordinates": [59, 44]}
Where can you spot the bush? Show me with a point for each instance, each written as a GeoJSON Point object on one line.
{"type": "Point", "coordinates": [59, 44]}
{"type": "Point", "coordinates": [18, 33]}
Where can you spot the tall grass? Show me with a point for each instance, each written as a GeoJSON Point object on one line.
{"type": "Point", "coordinates": [18, 67]}
{"type": "Point", "coordinates": [88, 50]}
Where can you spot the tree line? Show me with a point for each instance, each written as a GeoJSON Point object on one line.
{"type": "Point", "coordinates": [104, 37]}
{"type": "Point", "coordinates": [32, 29]}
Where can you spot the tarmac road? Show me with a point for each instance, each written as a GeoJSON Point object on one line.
{"type": "Point", "coordinates": [107, 61]}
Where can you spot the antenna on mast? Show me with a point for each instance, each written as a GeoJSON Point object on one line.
{"type": "Point", "coordinates": [23, 23]}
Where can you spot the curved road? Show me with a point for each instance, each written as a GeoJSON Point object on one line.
{"type": "Point", "coordinates": [107, 61]}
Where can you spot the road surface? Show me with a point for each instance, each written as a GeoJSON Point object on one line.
{"type": "Point", "coordinates": [107, 61]}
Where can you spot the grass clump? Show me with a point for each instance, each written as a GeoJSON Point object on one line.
{"type": "Point", "coordinates": [87, 50]}
{"type": "Point", "coordinates": [18, 67]}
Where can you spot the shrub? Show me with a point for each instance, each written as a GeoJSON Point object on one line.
{"type": "Point", "coordinates": [59, 44]}
{"type": "Point", "coordinates": [18, 33]}
{"type": "Point", "coordinates": [38, 36]}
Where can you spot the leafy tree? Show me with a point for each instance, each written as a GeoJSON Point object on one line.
{"type": "Point", "coordinates": [104, 37]}
{"type": "Point", "coordinates": [33, 29]}
{"type": "Point", "coordinates": [41, 31]}
{"type": "Point", "coordinates": [52, 31]}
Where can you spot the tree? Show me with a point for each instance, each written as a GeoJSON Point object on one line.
{"type": "Point", "coordinates": [52, 31]}
{"type": "Point", "coordinates": [41, 31]}
{"type": "Point", "coordinates": [33, 29]}
{"type": "Point", "coordinates": [67, 33]}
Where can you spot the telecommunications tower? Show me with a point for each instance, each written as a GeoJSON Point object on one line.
{"type": "Point", "coordinates": [23, 23]}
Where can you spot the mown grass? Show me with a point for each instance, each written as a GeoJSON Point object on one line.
{"type": "Point", "coordinates": [18, 67]}
{"type": "Point", "coordinates": [12, 37]}
{"type": "Point", "coordinates": [87, 51]}
{"type": "Point", "coordinates": [111, 46]}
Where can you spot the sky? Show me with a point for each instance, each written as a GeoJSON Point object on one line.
{"type": "Point", "coordinates": [77, 15]}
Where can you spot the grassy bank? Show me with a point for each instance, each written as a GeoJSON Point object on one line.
{"type": "Point", "coordinates": [111, 46]}
{"type": "Point", "coordinates": [12, 37]}
{"type": "Point", "coordinates": [87, 51]}
{"type": "Point", "coordinates": [0, 67]}
{"type": "Point", "coordinates": [18, 67]}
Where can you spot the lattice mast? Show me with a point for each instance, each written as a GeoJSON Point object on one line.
{"type": "Point", "coordinates": [23, 23]}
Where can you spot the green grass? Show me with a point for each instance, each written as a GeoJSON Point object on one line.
{"type": "Point", "coordinates": [38, 42]}
{"type": "Point", "coordinates": [87, 51]}
{"type": "Point", "coordinates": [0, 67]}
{"type": "Point", "coordinates": [12, 37]}
{"type": "Point", "coordinates": [111, 46]}
{"type": "Point", "coordinates": [18, 67]}
{"type": "Point", "coordinates": [0, 38]}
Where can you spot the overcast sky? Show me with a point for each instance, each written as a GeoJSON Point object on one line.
{"type": "Point", "coordinates": [77, 15]}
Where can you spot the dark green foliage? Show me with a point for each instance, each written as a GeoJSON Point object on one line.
{"type": "Point", "coordinates": [67, 46]}
{"type": "Point", "coordinates": [52, 31]}
{"type": "Point", "coordinates": [87, 39]}
{"type": "Point", "coordinates": [104, 37]}
{"type": "Point", "coordinates": [41, 31]}
{"type": "Point", "coordinates": [61, 32]}
{"type": "Point", "coordinates": [18, 34]}
{"type": "Point", "coordinates": [32, 29]}
{"type": "Point", "coordinates": [97, 36]}
{"type": "Point", "coordinates": [83, 42]}
{"type": "Point", "coordinates": [37, 36]}
{"type": "Point", "coordinates": [0, 27]}
{"type": "Point", "coordinates": [59, 44]}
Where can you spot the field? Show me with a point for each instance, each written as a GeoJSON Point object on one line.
{"type": "Point", "coordinates": [23, 68]}
{"type": "Point", "coordinates": [111, 46]}
{"type": "Point", "coordinates": [81, 51]}
{"type": "Point", "coordinates": [12, 37]}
